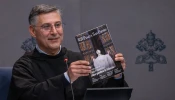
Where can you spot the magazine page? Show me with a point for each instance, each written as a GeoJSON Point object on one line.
{"type": "Point", "coordinates": [97, 47]}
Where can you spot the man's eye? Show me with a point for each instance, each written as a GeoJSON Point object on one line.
{"type": "Point", "coordinates": [58, 25]}
{"type": "Point", "coordinates": [46, 26]}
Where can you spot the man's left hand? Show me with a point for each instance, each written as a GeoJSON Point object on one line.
{"type": "Point", "coordinates": [119, 57]}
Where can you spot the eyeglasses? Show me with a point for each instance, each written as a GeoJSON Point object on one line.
{"type": "Point", "coordinates": [47, 27]}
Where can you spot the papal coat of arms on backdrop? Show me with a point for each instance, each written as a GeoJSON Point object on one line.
{"type": "Point", "coordinates": [151, 48]}
{"type": "Point", "coordinates": [29, 44]}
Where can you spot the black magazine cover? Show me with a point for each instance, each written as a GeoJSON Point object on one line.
{"type": "Point", "coordinates": [97, 47]}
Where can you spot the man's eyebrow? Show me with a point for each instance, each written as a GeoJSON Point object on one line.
{"type": "Point", "coordinates": [58, 22]}
{"type": "Point", "coordinates": [45, 24]}
{"type": "Point", "coordinates": [51, 23]}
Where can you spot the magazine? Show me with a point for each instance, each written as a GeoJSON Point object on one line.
{"type": "Point", "coordinates": [97, 47]}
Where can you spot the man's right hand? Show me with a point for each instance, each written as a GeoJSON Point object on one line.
{"type": "Point", "coordinates": [77, 69]}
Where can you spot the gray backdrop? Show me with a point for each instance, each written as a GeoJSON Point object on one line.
{"type": "Point", "coordinates": [128, 20]}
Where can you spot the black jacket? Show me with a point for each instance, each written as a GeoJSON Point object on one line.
{"type": "Point", "coordinates": [37, 76]}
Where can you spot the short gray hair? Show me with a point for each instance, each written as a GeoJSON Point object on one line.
{"type": "Point", "coordinates": [41, 9]}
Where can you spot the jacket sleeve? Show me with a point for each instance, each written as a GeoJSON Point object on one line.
{"type": "Point", "coordinates": [112, 82]}
{"type": "Point", "coordinates": [25, 87]}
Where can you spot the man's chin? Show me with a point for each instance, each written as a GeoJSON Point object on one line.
{"type": "Point", "coordinates": [55, 47]}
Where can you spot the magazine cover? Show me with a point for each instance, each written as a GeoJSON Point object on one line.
{"type": "Point", "coordinates": [97, 47]}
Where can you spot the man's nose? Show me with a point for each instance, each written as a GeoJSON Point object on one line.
{"type": "Point", "coordinates": [53, 30]}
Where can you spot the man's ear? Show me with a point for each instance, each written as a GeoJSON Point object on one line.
{"type": "Point", "coordinates": [32, 31]}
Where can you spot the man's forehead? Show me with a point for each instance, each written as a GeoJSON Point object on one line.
{"type": "Point", "coordinates": [50, 17]}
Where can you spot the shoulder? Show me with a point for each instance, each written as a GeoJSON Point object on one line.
{"type": "Point", "coordinates": [74, 55]}
{"type": "Point", "coordinates": [24, 61]}
{"type": "Point", "coordinates": [24, 58]}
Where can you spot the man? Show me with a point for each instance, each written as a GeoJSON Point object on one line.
{"type": "Point", "coordinates": [103, 61]}
{"type": "Point", "coordinates": [43, 73]}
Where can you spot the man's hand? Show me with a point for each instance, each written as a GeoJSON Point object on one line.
{"type": "Point", "coordinates": [119, 57]}
{"type": "Point", "coordinates": [77, 69]}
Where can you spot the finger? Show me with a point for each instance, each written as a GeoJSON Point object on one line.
{"type": "Point", "coordinates": [123, 66]}
{"type": "Point", "coordinates": [117, 75]}
{"type": "Point", "coordinates": [81, 71]}
{"type": "Point", "coordinates": [78, 75]}
{"type": "Point", "coordinates": [119, 59]}
{"type": "Point", "coordinates": [80, 62]}
{"type": "Point", "coordinates": [80, 67]}
{"type": "Point", "coordinates": [119, 55]}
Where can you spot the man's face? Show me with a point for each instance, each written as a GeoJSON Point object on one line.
{"type": "Point", "coordinates": [48, 32]}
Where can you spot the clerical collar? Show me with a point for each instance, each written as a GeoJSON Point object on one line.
{"type": "Point", "coordinates": [41, 51]}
